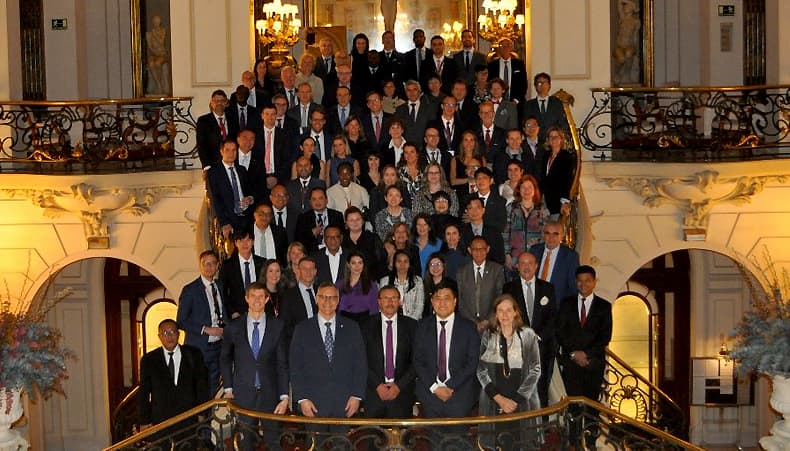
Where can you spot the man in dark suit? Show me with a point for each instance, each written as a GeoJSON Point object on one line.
{"type": "Point", "coordinates": [173, 379]}
{"type": "Point", "coordinates": [299, 189]}
{"type": "Point", "coordinates": [254, 362]}
{"type": "Point", "coordinates": [212, 129]}
{"type": "Point", "coordinates": [389, 338]}
{"type": "Point", "coordinates": [270, 241]}
{"type": "Point", "coordinates": [514, 151]}
{"type": "Point", "coordinates": [340, 111]}
{"type": "Point", "coordinates": [416, 112]}
{"type": "Point", "coordinates": [328, 364]}
{"type": "Point", "coordinates": [325, 63]}
{"type": "Point", "coordinates": [449, 125]}
{"type": "Point", "coordinates": [356, 89]}
{"type": "Point", "coordinates": [476, 226]}
{"type": "Point", "coordinates": [282, 121]}
{"type": "Point", "coordinates": [557, 263]}
{"type": "Point", "coordinates": [534, 147]}
{"type": "Point", "coordinates": [321, 137]}
{"type": "Point", "coordinates": [467, 109]}
{"type": "Point", "coordinates": [284, 215]}
{"type": "Point", "coordinates": [375, 119]}
{"type": "Point", "coordinates": [392, 61]}
{"type": "Point", "coordinates": [251, 159]}
{"type": "Point", "coordinates": [584, 329]}
{"type": "Point", "coordinates": [433, 152]}
{"type": "Point", "coordinates": [229, 190]}
{"type": "Point", "coordinates": [466, 59]}
{"type": "Point", "coordinates": [489, 135]}
{"type": "Point", "coordinates": [438, 64]}
{"type": "Point", "coordinates": [413, 58]}
{"type": "Point", "coordinates": [303, 109]}
{"type": "Point", "coordinates": [446, 384]}
{"type": "Point", "coordinates": [538, 306]}
{"type": "Point", "coordinates": [240, 115]}
{"type": "Point", "coordinates": [479, 282]}
{"type": "Point", "coordinates": [510, 69]}
{"type": "Point", "coordinates": [299, 301]}
{"type": "Point", "coordinates": [311, 224]}
{"type": "Point", "coordinates": [238, 272]}
{"type": "Point", "coordinates": [547, 109]}
{"type": "Point", "coordinates": [275, 146]}
{"type": "Point", "coordinates": [495, 205]}
{"type": "Point", "coordinates": [331, 260]}
{"type": "Point", "coordinates": [201, 315]}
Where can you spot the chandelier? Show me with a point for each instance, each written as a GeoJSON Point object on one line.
{"type": "Point", "coordinates": [499, 21]}
{"type": "Point", "coordinates": [452, 36]}
{"type": "Point", "coordinates": [279, 26]}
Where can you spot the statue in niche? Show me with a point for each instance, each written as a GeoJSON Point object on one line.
{"type": "Point", "coordinates": [389, 9]}
{"type": "Point", "coordinates": [626, 53]}
{"type": "Point", "coordinates": [157, 58]}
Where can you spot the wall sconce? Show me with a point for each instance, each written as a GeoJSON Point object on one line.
{"type": "Point", "coordinates": [724, 352]}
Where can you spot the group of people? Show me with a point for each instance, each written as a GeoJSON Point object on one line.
{"type": "Point", "coordinates": [431, 272]}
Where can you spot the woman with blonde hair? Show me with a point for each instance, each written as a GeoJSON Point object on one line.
{"type": "Point", "coordinates": [435, 181]}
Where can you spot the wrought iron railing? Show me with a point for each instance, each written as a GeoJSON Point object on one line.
{"type": "Point", "coordinates": [124, 418]}
{"type": "Point", "coordinates": [631, 394]}
{"type": "Point", "coordinates": [685, 123]}
{"type": "Point", "coordinates": [573, 423]}
{"type": "Point", "coordinates": [97, 135]}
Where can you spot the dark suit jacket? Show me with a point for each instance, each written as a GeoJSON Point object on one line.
{"type": "Point", "coordinates": [564, 275]}
{"type": "Point", "coordinates": [502, 159]}
{"type": "Point", "coordinates": [498, 140]}
{"type": "Point", "coordinates": [333, 124]}
{"type": "Point", "coordinates": [323, 149]}
{"type": "Point", "coordinates": [444, 144]}
{"type": "Point", "coordinates": [592, 338]}
{"type": "Point", "coordinates": [220, 191]}
{"type": "Point", "coordinates": [209, 138]}
{"type": "Point", "coordinates": [232, 276]}
{"type": "Point", "coordinates": [194, 312]}
{"type": "Point", "coordinates": [324, 273]}
{"type": "Point", "coordinates": [321, 70]}
{"type": "Point", "coordinates": [556, 183]}
{"type": "Point", "coordinates": [410, 66]}
{"type": "Point", "coordinates": [329, 99]}
{"type": "Point", "coordinates": [518, 79]}
{"type": "Point", "coordinates": [506, 115]}
{"type": "Point", "coordinates": [496, 210]}
{"type": "Point", "coordinates": [305, 224]}
{"type": "Point", "coordinates": [298, 200]}
{"type": "Point", "coordinates": [461, 362]}
{"type": "Point", "coordinates": [393, 66]}
{"type": "Point", "coordinates": [262, 98]}
{"type": "Point", "coordinates": [444, 158]}
{"type": "Point", "coordinates": [328, 384]}
{"type": "Point", "coordinates": [295, 113]}
{"type": "Point", "coordinates": [404, 370]}
{"type": "Point", "coordinates": [292, 309]}
{"type": "Point", "coordinates": [469, 114]}
{"type": "Point", "coordinates": [284, 143]}
{"type": "Point", "coordinates": [281, 243]}
{"type": "Point", "coordinates": [448, 75]}
{"type": "Point", "coordinates": [370, 132]}
{"type": "Point", "coordinates": [468, 73]}
{"type": "Point", "coordinates": [291, 215]}
{"type": "Point", "coordinates": [239, 364]}
{"type": "Point", "coordinates": [553, 117]}
{"type": "Point", "coordinates": [494, 238]}
{"type": "Point", "coordinates": [256, 176]}
{"type": "Point", "coordinates": [159, 399]}
{"type": "Point", "coordinates": [415, 130]}
{"type": "Point", "coordinates": [253, 118]}
{"type": "Point", "coordinates": [490, 288]}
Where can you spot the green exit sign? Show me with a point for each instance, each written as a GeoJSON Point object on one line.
{"type": "Point", "coordinates": [60, 24]}
{"type": "Point", "coordinates": [726, 10]}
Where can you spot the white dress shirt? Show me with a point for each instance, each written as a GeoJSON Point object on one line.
{"type": "Point", "coordinates": [176, 361]}
{"type": "Point", "coordinates": [264, 243]}
{"type": "Point", "coordinates": [394, 320]}
{"type": "Point", "coordinates": [334, 263]}
{"type": "Point", "coordinates": [448, 333]}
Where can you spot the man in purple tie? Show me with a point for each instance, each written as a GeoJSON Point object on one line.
{"type": "Point", "coordinates": [446, 352]}
{"type": "Point", "coordinates": [389, 338]}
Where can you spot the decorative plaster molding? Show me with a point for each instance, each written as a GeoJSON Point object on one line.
{"type": "Point", "coordinates": [696, 195]}
{"type": "Point", "coordinates": [95, 207]}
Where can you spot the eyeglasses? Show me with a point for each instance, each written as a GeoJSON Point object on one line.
{"type": "Point", "coordinates": [169, 333]}
{"type": "Point", "coordinates": [325, 296]}
{"type": "Point", "coordinates": [436, 264]}
{"type": "Point", "coordinates": [450, 105]}
{"type": "Point", "coordinates": [434, 173]}
{"type": "Point", "coordinates": [280, 195]}
{"type": "Point", "coordinates": [530, 125]}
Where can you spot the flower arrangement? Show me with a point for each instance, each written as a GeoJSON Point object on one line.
{"type": "Point", "coordinates": [29, 348]}
{"type": "Point", "coordinates": [762, 338]}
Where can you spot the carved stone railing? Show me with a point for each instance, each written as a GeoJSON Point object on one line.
{"type": "Point", "coordinates": [97, 135]}
{"type": "Point", "coordinates": [573, 423]}
{"type": "Point", "coordinates": [631, 394]}
{"type": "Point", "coordinates": [688, 123]}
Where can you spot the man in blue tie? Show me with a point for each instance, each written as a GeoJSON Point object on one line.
{"type": "Point", "coordinates": [255, 367]}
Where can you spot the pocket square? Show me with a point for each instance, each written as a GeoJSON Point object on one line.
{"type": "Point", "coordinates": [544, 301]}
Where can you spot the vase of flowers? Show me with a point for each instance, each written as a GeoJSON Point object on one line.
{"type": "Point", "coordinates": [762, 343]}
{"type": "Point", "coordinates": [32, 359]}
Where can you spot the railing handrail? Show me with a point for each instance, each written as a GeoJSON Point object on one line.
{"type": "Point", "coordinates": [689, 88]}
{"type": "Point", "coordinates": [126, 399]}
{"type": "Point", "coordinates": [129, 101]}
{"type": "Point", "coordinates": [383, 422]}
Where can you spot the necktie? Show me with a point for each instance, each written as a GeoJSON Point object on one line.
{"type": "Point", "coordinates": [262, 248]}
{"type": "Point", "coordinates": [466, 64]}
{"type": "Point", "coordinates": [222, 130]}
{"type": "Point", "coordinates": [318, 147]}
{"type": "Point", "coordinates": [242, 118]}
{"type": "Point", "coordinates": [312, 301]}
{"type": "Point", "coordinates": [583, 315]}
{"type": "Point", "coordinates": [507, 80]}
{"type": "Point", "coordinates": [389, 368]}
{"type": "Point", "coordinates": [217, 309]}
{"type": "Point", "coordinates": [256, 347]}
{"type": "Point", "coordinates": [434, 158]}
{"type": "Point", "coordinates": [247, 280]}
{"type": "Point", "coordinates": [544, 273]}
{"type": "Point", "coordinates": [413, 112]}
{"type": "Point", "coordinates": [542, 106]}
{"type": "Point", "coordinates": [304, 116]}
{"type": "Point", "coordinates": [439, 66]}
{"type": "Point", "coordinates": [378, 128]}
{"type": "Point", "coordinates": [292, 97]}
{"type": "Point", "coordinates": [448, 132]}
{"type": "Point", "coordinates": [171, 366]}
{"type": "Point", "coordinates": [478, 282]}
{"type": "Point", "coordinates": [530, 300]}
{"type": "Point", "coordinates": [329, 341]}
{"type": "Point", "coordinates": [234, 184]}
{"type": "Point", "coordinates": [343, 116]}
{"type": "Point", "coordinates": [280, 219]}
{"type": "Point", "coordinates": [488, 139]}
{"type": "Point", "coordinates": [268, 153]}
{"type": "Point", "coordinates": [442, 353]}
{"type": "Point", "coordinates": [280, 123]}
{"type": "Point", "coordinates": [328, 62]}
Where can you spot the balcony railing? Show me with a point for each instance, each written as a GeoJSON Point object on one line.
{"type": "Point", "coordinates": [96, 135]}
{"type": "Point", "coordinates": [574, 423]}
{"type": "Point", "coordinates": [689, 123]}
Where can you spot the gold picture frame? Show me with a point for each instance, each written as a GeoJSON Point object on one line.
{"type": "Point", "coordinates": [151, 48]}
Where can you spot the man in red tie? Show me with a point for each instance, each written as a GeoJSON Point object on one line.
{"type": "Point", "coordinates": [212, 128]}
